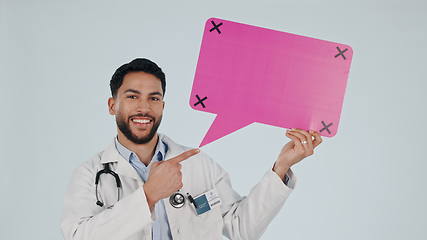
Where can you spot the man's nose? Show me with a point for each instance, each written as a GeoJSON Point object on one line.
{"type": "Point", "coordinates": [143, 106]}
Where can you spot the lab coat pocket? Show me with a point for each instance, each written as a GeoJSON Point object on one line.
{"type": "Point", "coordinates": [207, 225]}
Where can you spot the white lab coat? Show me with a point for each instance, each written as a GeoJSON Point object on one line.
{"type": "Point", "coordinates": [130, 218]}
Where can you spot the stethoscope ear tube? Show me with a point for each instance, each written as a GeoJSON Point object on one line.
{"type": "Point", "coordinates": [107, 170]}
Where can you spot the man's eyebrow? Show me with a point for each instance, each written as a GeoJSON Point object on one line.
{"type": "Point", "coordinates": [138, 92]}
{"type": "Point", "coordinates": [156, 93]}
{"type": "Point", "coordinates": [132, 91]}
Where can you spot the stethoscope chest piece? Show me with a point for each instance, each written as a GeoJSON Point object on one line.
{"type": "Point", "coordinates": [177, 200]}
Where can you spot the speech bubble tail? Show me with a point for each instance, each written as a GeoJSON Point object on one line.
{"type": "Point", "coordinates": [222, 126]}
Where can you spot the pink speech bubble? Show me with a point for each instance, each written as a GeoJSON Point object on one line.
{"type": "Point", "coordinates": [249, 74]}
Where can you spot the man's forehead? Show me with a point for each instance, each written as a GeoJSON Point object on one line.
{"type": "Point", "coordinates": [141, 82]}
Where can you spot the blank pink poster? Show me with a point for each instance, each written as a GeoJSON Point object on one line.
{"type": "Point", "coordinates": [249, 74]}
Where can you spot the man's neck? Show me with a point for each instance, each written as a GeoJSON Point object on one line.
{"type": "Point", "coordinates": [145, 152]}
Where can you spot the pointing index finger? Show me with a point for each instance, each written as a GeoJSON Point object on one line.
{"type": "Point", "coordinates": [183, 156]}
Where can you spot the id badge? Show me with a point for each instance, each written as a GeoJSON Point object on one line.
{"type": "Point", "coordinates": [206, 201]}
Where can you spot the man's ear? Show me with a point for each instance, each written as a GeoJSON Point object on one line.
{"type": "Point", "coordinates": [111, 104]}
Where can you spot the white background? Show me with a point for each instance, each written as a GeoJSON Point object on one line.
{"type": "Point", "coordinates": [57, 57]}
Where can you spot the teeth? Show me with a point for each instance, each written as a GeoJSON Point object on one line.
{"type": "Point", "coordinates": [141, 120]}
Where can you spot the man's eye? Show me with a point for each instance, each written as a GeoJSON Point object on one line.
{"type": "Point", "coordinates": [131, 96]}
{"type": "Point", "coordinates": [155, 99]}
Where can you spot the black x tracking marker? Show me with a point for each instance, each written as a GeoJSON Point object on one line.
{"type": "Point", "coordinates": [341, 53]}
{"type": "Point", "coordinates": [216, 27]}
{"type": "Point", "coordinates": [200, 101]}
{"type": "Point", "coordinates": [326, 127]}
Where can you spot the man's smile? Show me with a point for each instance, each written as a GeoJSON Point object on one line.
{"type": "Point", "coordinates": [141, 122]}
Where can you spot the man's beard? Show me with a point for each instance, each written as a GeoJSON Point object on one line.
{"type": "Point", "coordinates": [125, 129]}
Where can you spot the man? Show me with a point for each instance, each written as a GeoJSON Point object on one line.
{"type": "Point", "coordinates": [146, 186]}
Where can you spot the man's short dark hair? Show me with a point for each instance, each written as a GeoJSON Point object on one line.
{"type": "Point", "coordinates": [136, 65]}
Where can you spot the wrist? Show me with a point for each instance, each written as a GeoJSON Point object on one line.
{"type": "Point", "coordinates": [151, 200]}
{"type": "Point", "coordinates": [281, 170]}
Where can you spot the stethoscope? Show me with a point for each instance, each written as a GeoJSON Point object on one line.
{"type": "Point", "coordinates": [107, 170]}
{"type": "Point", "coordinates": [177, 200]}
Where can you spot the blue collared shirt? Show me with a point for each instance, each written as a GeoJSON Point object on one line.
{"type": "Point", "coordinates": [160, 226]}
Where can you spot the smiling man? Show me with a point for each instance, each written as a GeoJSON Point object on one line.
{"type": "Point", "coordinates": [144, 185]}
{"type": "Point", "coordinates": [138, 106]}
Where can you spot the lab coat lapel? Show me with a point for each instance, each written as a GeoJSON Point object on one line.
{"type": "Point", "coordinates": [173, 148]}
{"type": "Point", "coordinates": [111, 155]}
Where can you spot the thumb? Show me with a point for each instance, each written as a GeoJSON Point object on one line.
{"type": "Point", "coordinates": [155, 164]}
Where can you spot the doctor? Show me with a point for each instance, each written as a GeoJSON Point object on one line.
{"type": "Point", "coordinates": [146, 186]}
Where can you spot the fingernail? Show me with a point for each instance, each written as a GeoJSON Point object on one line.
{"type": "Point", "coordinates": [197, 150]}
{"type": "Point", "coordinates": [311, 131]}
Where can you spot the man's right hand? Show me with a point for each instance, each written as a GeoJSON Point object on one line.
{"type": "Point", "coordinates": [165, 178]}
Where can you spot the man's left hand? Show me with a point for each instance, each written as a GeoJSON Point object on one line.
{"type": "Point", "coordinates": [302, 145]}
